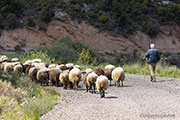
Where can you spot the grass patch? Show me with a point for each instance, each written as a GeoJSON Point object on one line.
{"type": "Point", "coordinates": [161, 71]}
{"type": "Point", "coordinates": [21, 99]}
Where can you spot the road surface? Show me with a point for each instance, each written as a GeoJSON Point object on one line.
{"type": "Point", "coordinates": [139, 99]}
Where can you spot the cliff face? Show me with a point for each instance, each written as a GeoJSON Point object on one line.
{"type": "Point", "coordinates": [103, 41]}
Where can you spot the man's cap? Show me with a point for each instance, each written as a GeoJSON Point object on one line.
{"type": "Point", "coordinates": [152, 45]}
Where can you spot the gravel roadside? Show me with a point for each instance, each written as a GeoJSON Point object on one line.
{"type": "Point", "coordinates": [139, 99]}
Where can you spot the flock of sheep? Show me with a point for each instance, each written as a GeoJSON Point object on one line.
{"type": "Point", "coordinates": [69, 75]}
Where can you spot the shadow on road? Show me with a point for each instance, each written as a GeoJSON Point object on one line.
{"type": "Point", "coordinates": [111, 97]}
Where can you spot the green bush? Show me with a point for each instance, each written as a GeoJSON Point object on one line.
{"type": "Point", "coordinates": [36, 54]}
{"type": "Point", "coordinates": [85, 57]}
{"type": "Point", "coordinates": [103, 17]}
{"type": "Point", "coordinates": [67, 51]}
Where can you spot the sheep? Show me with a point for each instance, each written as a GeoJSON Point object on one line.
{"type": "Point", "coordinates": [91, 81]}
{"type": "Point", "coordinates": [8, 67]}
{"type": "Point", "coordinates": [43, 75]}
{"type": "Point", "coordinates": [77, 66]}
{"type": "Point", "coordinates": [118, 75]}
{"type": "Point", "coordinates": [28, 62]}
{"type": "Point", "coordinates": [64, 78]}
{"type": "Point", "coordinates": [54, 76]}
{"type": "Point", "coordinates": [85, 74]}
{"type": "Point", "coordinates": [33, 73]}
{"type": "Point", "coordinates": [26, 68]}
{"type": "Point", "coordinates": [69, 66]}
{"type": "Point", "coordinates": [3, 58]}
{"type": "Point", "coordinates": [51, 66]}
{"type": "Point", "coordinates": [61, 67]}
{"type": "Point", "coordinates": [111, 67]}
{"type": "Point", "coordinates": [36, 60]}
{"type": "Point", "coordinates": [75, 77]}
{"type": "Point", "coordinates": [89, 70]}
{"type": "Point", "coordinates": [14, 59]}
{"type": "Point", "coordinates": [18, 69]}
{"type": "Point", "coordinates": [99, 71]}
{"type": "Point", "coordinates": [102, 85]}
{"type": "Point", "coordinates": [108, 72]}
{"type": "Point", "coordinates": [2, 65]}
{"type": "Point", "coordinates": [39, 64]}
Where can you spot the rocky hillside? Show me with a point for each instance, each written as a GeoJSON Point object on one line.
{"type": "Point", "coordinates": [103, 41]}
{"type": "Point", "coordinates": [108, 26]}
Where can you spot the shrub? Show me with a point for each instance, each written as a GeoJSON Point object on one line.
{"type": "Point", "coordinates": [85, 57]}
{"type": "Point", "coordinates": [12, 21]}
{"type": "Point", "coordinates": [36, 54]}
{"type": "Point", "coordinates": [18, 48]}
{"type": "Point", "coordinates": [103, 17]}
{"type": "Point", "coordinates": [30, 22]}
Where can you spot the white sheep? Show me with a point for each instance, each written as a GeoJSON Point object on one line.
{"type": "Point", "coordinates": [8, 67]}
{"type": "Point", "coordinates": [91, 81]}
{"type": "Point", "coordinates": [3, 58]}
{"type": "Point", "coordinates": [28, 62]}
{"type": "Point", "coordinates": [111, 67]}
{"type": "Point", "coordinates": [88, 70]}
{"type": "Point", "coordinates": [33, 73]}
{"type": "Point", "coordinates": [18, 69]}
{"type": "Point", "coordinates": [108, 72]}
{"type": "Point", "coordinates": [102, 85]}
{"type": "Point", "coordinates": [2, 65]}
{"type": "Point", "coordinates": [118, 75]}
{"type": "Point", "coordinates": [39, 64]}
{"type": "Point", "coordinates": [64, 78]}
{"type": "Point", "coordinates": [51, 66]}
{"type": "Point", "coordinates": [69, 65]}
{"type": "Point", "coordinates": [77, 66]}
{"type": "Point", "coordinates": [14, 59]}
{"type": "Point", "coordinates": [75, 77]}
{"type": "Point", "coordinates": [36, 60]}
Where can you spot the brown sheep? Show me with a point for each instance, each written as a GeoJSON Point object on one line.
{"type": "Point", "coordinates": [108, 74]}
{"type": "Point", "coordinates": [54, 76]}
{"type": "Point", "coordinates": [99, 71]}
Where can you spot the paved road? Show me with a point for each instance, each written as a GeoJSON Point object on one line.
{"type": "Point", "coordinates": [139, 99]}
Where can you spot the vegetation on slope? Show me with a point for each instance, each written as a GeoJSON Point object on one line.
{"type": "Point", "coordinates": [121, 16]}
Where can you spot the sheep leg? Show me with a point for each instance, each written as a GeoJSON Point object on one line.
{"type": "Point", "coordinates": [71, 85]}
{"type": "Point", "coordinates": [118, 84]}
{"type": "Point", "coordinates": [90, 88]}
{"type": "Point", "coordinates": [65, 86]}
{"type": "Point", "coordinates": [57, 83]}
{"type": "Point", "coordinates": [87, 88]}
{"type": "Point", "coordinates": [115, 84]}
{"type": "Point", "coordinates": [122, 83]}
{"type": "Point", "coordinates": [47, 82]}
{"type": "Point", "coordinates": [102, 93]}
{"type": "Point", "coordinates": [94, 88]}
{"type": "Point", "coordinates": [110, 82]}
{"type": "Point", "coordinates": [76, 86]}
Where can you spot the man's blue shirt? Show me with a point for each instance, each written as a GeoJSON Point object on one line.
{"type": "Point", "coordinates": [153, 56]}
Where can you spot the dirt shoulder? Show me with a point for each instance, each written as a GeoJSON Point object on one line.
{"type": "Point", "coordinates": [138, 99]}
